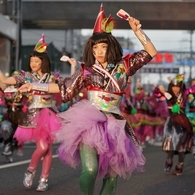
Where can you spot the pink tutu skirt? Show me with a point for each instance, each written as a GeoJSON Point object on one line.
{"type": "Point", "coordinates": [47, 122]}
{"type": "Point", "coordinates": [85, 124]}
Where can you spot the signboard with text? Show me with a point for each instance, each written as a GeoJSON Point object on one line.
{"type": "Point", "coordinates": [158, 70]}
{"type": "Point", "coordinates": [172, 58]}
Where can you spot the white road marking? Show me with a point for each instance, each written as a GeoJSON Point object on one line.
{"type": "Point", "coordinates": [19, 163]}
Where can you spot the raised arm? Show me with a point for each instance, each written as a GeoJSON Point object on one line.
{"type": "Point", "coordinates": [143, 38]}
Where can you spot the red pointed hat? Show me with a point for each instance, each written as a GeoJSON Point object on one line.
{"type": "Point", "coordinates": [41, 46]}
{"type": "Point", "coordinates": [103, 24]}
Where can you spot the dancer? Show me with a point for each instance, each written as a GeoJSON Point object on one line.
{"type": "Point", "coordinates": [177, 130]}
{"type": "Point", "coordinates": [94, 132]}
{"type": "Point", "coordinates": [190, 110]}
{"type": "Point", "coordinates": [14, 113]}
{"type": "Point", "coordinates": [40, 118]}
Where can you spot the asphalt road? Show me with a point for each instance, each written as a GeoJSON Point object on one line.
{"type": "Point", "coordinates": [65, 181]}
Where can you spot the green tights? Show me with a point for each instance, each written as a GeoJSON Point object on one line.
{"type": "Point", "coordinates": [89, 161]}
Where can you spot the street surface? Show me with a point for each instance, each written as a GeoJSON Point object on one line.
{"type": "Point", "coordinates": [64, 180]}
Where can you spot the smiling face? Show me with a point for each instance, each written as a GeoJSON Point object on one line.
{"type": "Point", "coordinates": [35, 64]}
{"type": "Point", "coordinates": [99, 52]}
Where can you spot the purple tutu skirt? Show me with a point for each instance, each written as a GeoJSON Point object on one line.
{"type": "Point", "coordinates": [85, 124]}
{"type": "Point", "coordinates": [47, 122]}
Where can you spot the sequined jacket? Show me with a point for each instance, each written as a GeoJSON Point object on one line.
{"type": "Point", "coordinates": [91, 77]}
{"type": "Point", "coordinates": [190, 104]}
{"type": "Point", "coordinates": [37, 100]}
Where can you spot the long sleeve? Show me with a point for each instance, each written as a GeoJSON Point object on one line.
{"type": "Point", "coordinates": [135, 61]}
{"type": "Point", "coordinates": [20, 78]}
{"type": "Point", "coordinates": [71, 86]}
{"type": "Point", "coordinates": [190, 90]}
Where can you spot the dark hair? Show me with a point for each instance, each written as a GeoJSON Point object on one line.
{"type": "Point", "coordinates": [179, 84]}
{"type": "Point", "coordinates": [192, 81]}
{"type": "Point", "coordinates": [114, 51]}
{"type": "Point", "coordinates": [46, 65]}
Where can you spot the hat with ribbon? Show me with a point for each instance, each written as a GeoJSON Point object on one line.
{"type": "Point", "coordinates": [41, 46]}
{"type": "Point", "coordinates": [102, 23]}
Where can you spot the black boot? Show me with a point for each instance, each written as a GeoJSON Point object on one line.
{"type": "Point", "coordinates": [178, 169]}
{"type": "Point", "coordinates": [168, 165]}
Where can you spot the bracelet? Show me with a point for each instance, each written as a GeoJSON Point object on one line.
{"type": "Point", "coordinates": [144, 39]}
{"type": "Point", "coordinates": [40, 87]}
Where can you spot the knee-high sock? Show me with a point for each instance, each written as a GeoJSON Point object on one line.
{"type": "Point", "coordinates": [109, 186]}
{"type": "Point", "coordinates": [89, 169]}
{"type": "Point", "coordinates": [41, 149]}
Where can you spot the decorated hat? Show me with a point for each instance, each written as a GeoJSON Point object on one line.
{"type": "Point", "coordinates": [41, 46]}
{"type": "Point", "coordinates": [178, 79]}
{"type": "Point", "coordinates": [102, 23]}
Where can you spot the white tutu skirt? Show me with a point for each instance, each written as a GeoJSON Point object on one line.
{"type": "Point", "coordinates": [84, 123]}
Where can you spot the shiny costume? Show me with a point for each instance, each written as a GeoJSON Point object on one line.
{"type": "Point", "coordinates": [190, 111]}
{"type": "Point", "coordinates": [39, 121]}
{"type": "Point", "coordinates": [96, 127]}
{"type": "Point", "coordinates": [177, 133]}
{"type": "Point", "coordinates": [177, 129]}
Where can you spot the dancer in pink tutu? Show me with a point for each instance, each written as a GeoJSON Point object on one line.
{"type": "Point", "coordinates": [94, 132]}
{"type": "Point", "coordinates": [40, 119]}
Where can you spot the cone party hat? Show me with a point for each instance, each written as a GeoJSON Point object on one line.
{"type": "Point", "coordinates": [41, 46]}
{"type": "Point", "coordinates": [102, 23]}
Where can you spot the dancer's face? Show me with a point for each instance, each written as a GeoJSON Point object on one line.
{"type": "Point", "coordinates": [35, 64]}
{"type": "Point", "coordinates": [99, 52]}
{"type": "Point", "coordinates": [193, 82]}
{"type": "Point", "coordinates": [176, 89]}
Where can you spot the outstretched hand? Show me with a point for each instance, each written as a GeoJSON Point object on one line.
{"type": "Point", "coordinates": [72, 61]}
{"type": "Point", "coordinates": [25, 88]}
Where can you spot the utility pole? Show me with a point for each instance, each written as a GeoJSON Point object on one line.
{"type": "Point", "coordinates": [18, 7]}
{"type": "Point", "coordinates": [191, 56]}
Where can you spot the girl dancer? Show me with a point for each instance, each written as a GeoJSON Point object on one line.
{"type": "Point", "coordinates": [40, 118]}
{"type": "Point", "coordinates": [190, 110]}
{"type": "Point", "coordinates": [177, 129]}
{"type": "Point", "coordinates": [94, 133]}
